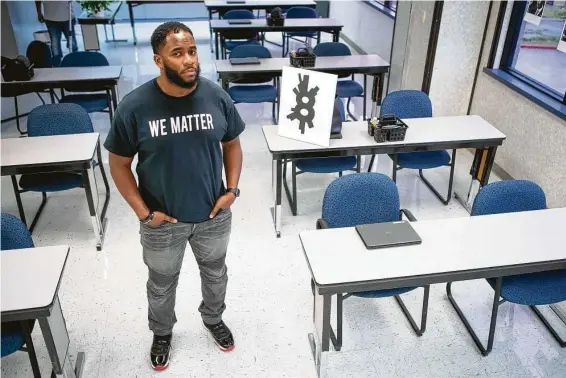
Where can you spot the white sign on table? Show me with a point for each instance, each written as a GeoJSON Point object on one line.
{"type": "Point", "coordinates": [307, 104]}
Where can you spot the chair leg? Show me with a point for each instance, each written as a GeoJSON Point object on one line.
{"type": "Point", "coordinates": [371, 163]}
{"type": "Point", "coordinates": [348, 109]}
{"type": "Point", "coordinates": [273, 113]}
{"type": "Point", "coordinates": [40, 98]}
{"type": "Point", "coordinates": [358, 164]}
{"type": "Point", "coordinates": [548, 326]}
{"type": "Point", "coordinates": [450, 182]}
{"type": "Point", "coordinates": [484, 350]}
{"type": "Point", "coordinates": [30, 349]}
{"type": "Point", "coordinates": [105, 180]}
{"type": "Point", "coordinates": [294, 179]}
{"type": "Point", "coordinates": [395, 168]}
{"type": "Point", "coordinates": [39, 211]}
{"type": "Point", "coordinates": [418, 331]}
{"type": "Point", "coordinates": [110, 108]}
{"type": "Point", "coordinates": [336, 338]}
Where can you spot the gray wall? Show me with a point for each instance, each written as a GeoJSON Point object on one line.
{"type": "Point", "coordinates": [367, 27]}
{"type": "Point", "coordinates": [535, 148]}
{"type": "Point", "coordinates": [457, 52]}
{"type": "Point", "coordinates": [9, 47]}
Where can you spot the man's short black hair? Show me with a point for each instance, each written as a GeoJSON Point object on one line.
{"type": "Point", "coordinates": [162, 31]}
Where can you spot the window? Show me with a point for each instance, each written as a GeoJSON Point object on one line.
{"type": "Point", "coordinates": [385, 6]}
{"type": "Point", "coordinates": [534, 51]}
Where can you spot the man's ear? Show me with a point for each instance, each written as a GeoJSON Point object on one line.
{"type": "Point", "coordinates": [158, 61]}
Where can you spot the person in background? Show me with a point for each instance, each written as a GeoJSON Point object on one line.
{"type": "Point", "coordinates": [56, 17]}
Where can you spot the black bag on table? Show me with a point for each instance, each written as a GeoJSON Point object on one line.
{"type": "Point", "coordinates": [18, 69]}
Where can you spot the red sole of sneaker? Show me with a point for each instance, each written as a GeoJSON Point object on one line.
{"type": "Point", "coordinates": [229, 349]}
{"type": "Point", "coordinates": [160, 368]}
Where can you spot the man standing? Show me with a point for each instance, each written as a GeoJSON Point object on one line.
{"type": "Point", "coordinates": [56, 17]}
{"type": "Point", "coordinates": [183, 128]}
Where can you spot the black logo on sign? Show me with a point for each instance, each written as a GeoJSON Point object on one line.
{"type": "Point", "coordinates": [305, 97]}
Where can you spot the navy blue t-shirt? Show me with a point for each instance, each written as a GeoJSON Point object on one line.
{"type": "Point", "coordinates": [178, 142]}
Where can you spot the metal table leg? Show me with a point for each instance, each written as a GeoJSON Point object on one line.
{"type": "Point", "coordinates": [98, 221]}
{"type": "Point", "coordinates": [132, 22]}
{"type": "Point", "coordinates": [320, 338]}
{"type": "Point", "coordinates": [480, 172]}
{"type": "Point", "coordinates": [54, 330]}
{"type": "Point", "coordinates": [210, 28]}
{"type": "Point", "coordinates": [216, 45]}
{"type": "Point", "coordinates": [115, 96]}
{"type": "Point", "coordinates": [277, 173]}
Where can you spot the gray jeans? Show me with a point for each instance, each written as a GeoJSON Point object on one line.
{"type": "Point", "coordinates": [163, 251]}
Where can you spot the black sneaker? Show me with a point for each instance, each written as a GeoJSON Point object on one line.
{"type": "Point", "coordinates": [222, 336]}
{"type": "Point", "coordinates": [160, 352]}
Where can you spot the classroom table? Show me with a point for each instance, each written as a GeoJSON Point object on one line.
{"type": "Point", "coordinates": [89, 28]}
{"type": "Point", "coordinates": [30, 285]}
{"type": "Point", "coordinates": [59, 153]}
{"type": "Point", "coordinates": [423, 134]}
{"type": "Point", "coordinates": [223, 6]}
{"type": "Point", "coordinates": [371, 64]}
{"type": "Point", "coordinates": [50, 78]}
{"type": "Point", "coordinates": [510, 244]}
{"type": "Point", "coordinates": [329, 25]}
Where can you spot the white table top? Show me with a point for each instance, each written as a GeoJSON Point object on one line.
{"type": "Point", "coordinates": [66, 74]}
{"type": "Point", "coordinates": [48, 149]}
{"type": "Point", "coordinates": [30, 276]}
{"type": "Point", "coordinates": [448, 245]}
{"type": "Point", "coordinates": [289, 23]}
{"type": "Point", "coordinates": [323, 63]}
{"type": "Point", "coordinates": [274, 3]}
{"type": "Point", "coordinates": [425, 131]}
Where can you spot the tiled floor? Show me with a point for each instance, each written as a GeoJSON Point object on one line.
{"type": "Point", "coordinates": [269, 299]}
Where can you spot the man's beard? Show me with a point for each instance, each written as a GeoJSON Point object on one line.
{"type": "Point", "coordinates": [176, 79]}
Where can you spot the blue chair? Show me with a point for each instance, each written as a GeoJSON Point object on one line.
{"type": "Point", "coordinates": [93, 102]}
{"type": "Point", "coordinates": [254, 94]}
{"type": "Point", "coordinates": [533, 289]}
{"type": "Point", "coordinates": [416, 104]}
{"type": "Point", "coordinates": [299, 12]}
{"type": "Point", "coordinates": [366, 198]}
{"type": "Point", "coordinates": [318, 165]}
{"type": "Point", "coordinates": [55, 119]}
{"type": "Point", "coordinates": [231, 40]}
{"type": "Point", "coordinates": [344, 88]}
{"type": "Point", "coordinates": [14, 235]}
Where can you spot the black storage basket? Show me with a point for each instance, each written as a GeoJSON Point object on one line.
{"type": "Point", "coordinates": [387, 133]}
{"type": "Point", "coordinates": [303, 61]}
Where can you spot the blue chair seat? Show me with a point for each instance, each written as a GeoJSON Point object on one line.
{"type": "Point", "coordinates": [51, 182]}
{"type": "Point", "coordinates": [253, 93]}
{"type": "Point", "coordinates": [535, 288]}
{"type": "Point", "coordinates": [91, 102]}
{"type": "Point", "coordinates": [349, 88]}
{"type": "Point", "coordinates": [423, 160]}
{"type": "Point", "coordinates": [383, 293]}
{"type": "Point", "coordinates": [11, 342]}
{"type": "Point", "coordinates": [327, 165]}
{"type": "Point", "coordinates": [231, 45]}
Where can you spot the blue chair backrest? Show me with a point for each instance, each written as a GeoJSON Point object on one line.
{"type": "Point", "coordinates": [246, 51]}
{"type": "Point", "coordinates": [407, 104]}
{"type": "Point", "coordinates": [361, 198]}
{"type": "Point", "coordinates": [332, 49]}
{"type": "Point", "coordinates": [509, 197]}
{"type": "Point", "coordinates": [59, 119]}
{"type": "Point", "coordinates": [39, 53]}
{"type": "Point", "coordinates": [239, 14]}
{"type": "Point", "coordinates": [84, 59]}
{"type": "Point", "coordinates": [302, 12]}
{"type": "Point", "coordinates": [14, 233]}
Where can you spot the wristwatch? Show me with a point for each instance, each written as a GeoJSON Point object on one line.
{"type": "Point", "coordinates": [147, 219]}
{"type": "Point", "coordinates": [234, 191]}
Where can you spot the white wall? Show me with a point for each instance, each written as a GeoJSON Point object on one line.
{"type": "Point", "coordinates": [457, 51]}
{"type": "Point", "coordinates": [367, 27]}
{"type": "Point", "coordinates": [24, 22]}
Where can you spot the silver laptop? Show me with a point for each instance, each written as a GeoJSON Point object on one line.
{"type": "Point", "coordinates": [383, 235]}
